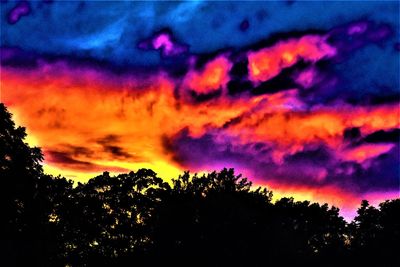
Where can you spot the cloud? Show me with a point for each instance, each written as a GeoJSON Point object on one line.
{"type": "Point", "coordinates": [106, 37]}
{"type": "Point", "coordinates": [111, 144]}
{"type": "Point", "coordinates": [212, 77]}
{"type": "Point", "coordinates": [64, 160]}
{"type": "Point", "coordinates": [125, 117]}
{"type": "Point", "coordinates": [204, 26]}
{"type": "Point", "coordinates": [269, 62]}
{"type": "Point", "coordinates": [299, 106]}
{"type": "Point", "coordinates": [164, 42]}
{"type": "Point", "coordinates": [21, 9]}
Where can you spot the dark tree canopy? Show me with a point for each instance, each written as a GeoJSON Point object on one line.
{"type": "Point", "coordinates": [216, 219]}
{"type": "Point", "coordinates": [376, 233]}
{"type": "Point", "coordinates": [20, 172]}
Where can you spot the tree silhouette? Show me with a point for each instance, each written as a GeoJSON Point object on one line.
{"type": "Point", "coordinates": [307, 232]}
{"type": "Point", "coordinates": [27, 197]}
{"type": "Point", "coordinates": [219, 220]}
{"type": "Point", "coordinates": [376, 234]}
{"type": "Point", "coordinates": [199, 216]}
{"type": "Point", "coordinates": [20, 169]}
{"type": "Point", "coordinates": [106, 220]}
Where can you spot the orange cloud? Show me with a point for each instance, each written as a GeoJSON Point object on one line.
{"type": "Point", "coordinates": [290, 130]}
{"type": "Point", "coordinates": [268, 62]}
{"type": "Point", "coordinates": [365, 152]}
{"type": "Point", "coordinates": [212, 77]}
{"type": "Point", "coordinates": [64, 109]}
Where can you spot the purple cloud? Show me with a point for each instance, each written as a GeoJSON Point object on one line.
{"type": "Point", "coordinates": [165, 43]}
{"type": "Point", "coordinates": [21, 9]}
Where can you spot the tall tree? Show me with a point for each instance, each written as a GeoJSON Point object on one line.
{"type": "Point", "coordinates": [20, 170]}
{"type": "Point", "coordinates": [105, 221]}
{"type": "Point", "coordinates": [376, 234]}
{"type": "Point", "coordinates": [27, 197]}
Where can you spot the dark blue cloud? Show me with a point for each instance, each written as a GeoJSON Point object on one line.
{"type": "Point", "coordinates": [111, 30]}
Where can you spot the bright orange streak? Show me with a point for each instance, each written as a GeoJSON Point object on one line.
{"type": "Point", "coordinates": [268, 62]}
{"type": "Point", "coordinates": [214, 76]}
{"type": "Point", "coordinates": [365, 152]}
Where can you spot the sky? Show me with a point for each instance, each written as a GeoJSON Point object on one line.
{"type": "Point", "coordinates": [300, 97]}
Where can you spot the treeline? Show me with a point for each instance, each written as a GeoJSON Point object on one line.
{"type": "Point", "coordinates": [137, 219]}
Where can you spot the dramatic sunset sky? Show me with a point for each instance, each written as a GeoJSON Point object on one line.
{"type": "Point", "coordinates": [301, 97]}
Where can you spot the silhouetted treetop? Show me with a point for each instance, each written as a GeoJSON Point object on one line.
{"type": "Point", "coordinates": [224, 181]}
{"type": "Point", "coordinates": [16, 157]}
{"type": "Point", "coordinates": [20, 172]}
